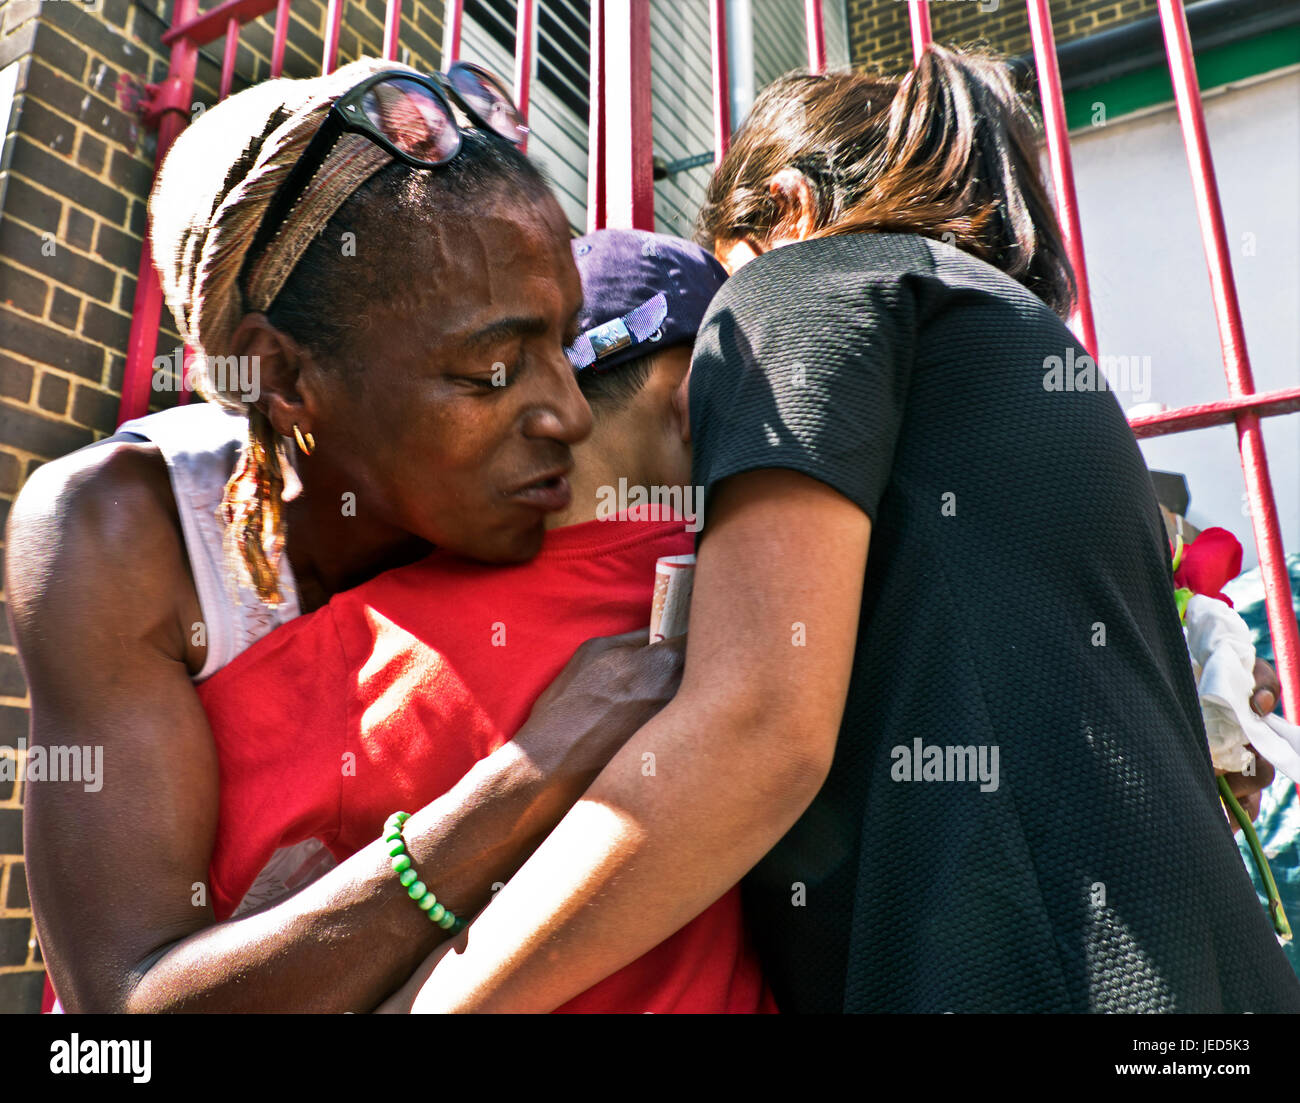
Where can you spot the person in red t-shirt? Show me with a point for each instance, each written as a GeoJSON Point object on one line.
{"type": "Point", "coordinates": [407, 681]}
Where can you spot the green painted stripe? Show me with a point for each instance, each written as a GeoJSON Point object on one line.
{"type": "Point", "coordinates": [1221, 65]}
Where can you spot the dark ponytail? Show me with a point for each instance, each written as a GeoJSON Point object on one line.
{"type": "Point", "coordinates": [949, 152]}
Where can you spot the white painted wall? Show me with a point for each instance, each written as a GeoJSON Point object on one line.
{"type": "Point", "coordinates": [1150, 287]}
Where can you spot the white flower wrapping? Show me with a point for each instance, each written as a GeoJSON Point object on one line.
{"type": "Point", "coordinates": [1223, 660]}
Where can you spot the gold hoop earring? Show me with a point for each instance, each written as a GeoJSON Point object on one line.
{"type": "Point", "coordinates": [306, 442]}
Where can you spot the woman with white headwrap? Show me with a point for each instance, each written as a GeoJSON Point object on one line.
{"type": "Point", "coordinates": [369, 272]}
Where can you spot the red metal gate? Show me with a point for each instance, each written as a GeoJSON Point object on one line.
{"type": "Point", "coordinates": [621, 193]}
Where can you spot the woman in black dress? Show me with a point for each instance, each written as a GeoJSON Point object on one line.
{"type": "Point", "coordinates": [936, 694]}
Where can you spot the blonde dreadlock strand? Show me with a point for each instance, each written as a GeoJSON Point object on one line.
{"type": "Point", "coordinates": [252, 508]}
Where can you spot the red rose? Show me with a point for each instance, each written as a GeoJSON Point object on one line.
{"type": "Point", "coordinates": [1209, 562]}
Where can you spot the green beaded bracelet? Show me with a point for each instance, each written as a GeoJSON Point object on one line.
{"type": "Point", "coordinates": [416, 889]}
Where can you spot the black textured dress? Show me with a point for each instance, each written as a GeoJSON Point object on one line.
{"type": "Point", "coordinates": [1018, 599]}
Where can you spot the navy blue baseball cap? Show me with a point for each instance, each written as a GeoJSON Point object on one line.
{"type": "Point", "coordinates": [641, 292]}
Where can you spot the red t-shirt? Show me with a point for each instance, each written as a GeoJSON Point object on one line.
{"type": "Point", "coordinates": [384, 698]}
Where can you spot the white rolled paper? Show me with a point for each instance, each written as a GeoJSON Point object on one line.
{"type": "Point", "coordinates": [670, 611]}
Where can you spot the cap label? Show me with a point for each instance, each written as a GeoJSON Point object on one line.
{"type": "Point", "coordinates": [609, 338]}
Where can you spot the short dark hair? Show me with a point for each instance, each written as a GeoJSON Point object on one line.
{"type": "Point", "coordinates": [322, 296]}
{"type": "Point", "coordinates": [610, 391]}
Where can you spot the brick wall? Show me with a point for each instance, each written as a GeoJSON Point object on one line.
{"type": "Point", "coordinates": [74, 176]}
{"type": "Point", "coordinates": [879, 33]}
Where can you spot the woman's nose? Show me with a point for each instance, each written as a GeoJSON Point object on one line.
{"type": "Point", "coordinates": [562, 413]}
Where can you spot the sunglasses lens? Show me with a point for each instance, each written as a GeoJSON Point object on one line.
{"type": "Point", "coordinates": [411, 117]}
{"type": "Point", "coordinates": [489, 100]}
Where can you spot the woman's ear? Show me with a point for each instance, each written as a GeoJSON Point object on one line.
{"type": "Point", "coordinates": [794, 196]}
{"type": "Point", "coordinates": [736, 253]}
{"type": "Point", "coordinates": [681, 407]}
{"type": "Point", "coordinates": [275, 361]}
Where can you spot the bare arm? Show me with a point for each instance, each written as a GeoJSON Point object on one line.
{"type": "Point", "coordinates": [94, 569]}
{"type": "Point", "coordinates": [739, 754]}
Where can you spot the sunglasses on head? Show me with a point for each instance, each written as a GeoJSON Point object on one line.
{"type": "Point", "coordinates": [407, 114]}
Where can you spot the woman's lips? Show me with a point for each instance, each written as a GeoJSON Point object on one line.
{"type": "Point", "coordinates": [549, 495]}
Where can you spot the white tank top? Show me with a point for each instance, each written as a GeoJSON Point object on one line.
{"type": "Point", "coordinates": [200, 443]}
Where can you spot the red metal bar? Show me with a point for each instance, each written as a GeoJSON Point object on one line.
{"type": "Point", "coordinates": [629, 167]}
{"type": "Point", "coordinates": [1236, 360]}
{"type": "Point", "coordinates": [281, 34]}
{"type": "Point", "coordinates": [1207, 414]}
{"type": "Point", "coordinates": [228, 58]}
{"type": "Point", "coordinates": [454, 16]}
{"type": "Point", "coordinates": [815, 22]}
{"type": "Point", "coordinates": [1187, 96]}
{"type": "Point", "coordinates": [330, 54]}
{"type": "Point", "coordinates": [143, 339]}
{"type": "Point", "coordinates": [1272, 561]}
{"type": "Point", "coordinates": [524, 54]}
{"type": "Point", "coordinates": [918, 15]}
{"type": "Point", "coordinates": [1058, 153]}
{"type": "Point", "coordinates": [721, 79]}
{"type": "Point", "coordinates": [211, 25]}
{"type": "Point", "coordinates": [596, 127]}
{"type": "Point", "coordinates": [392, 27]}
